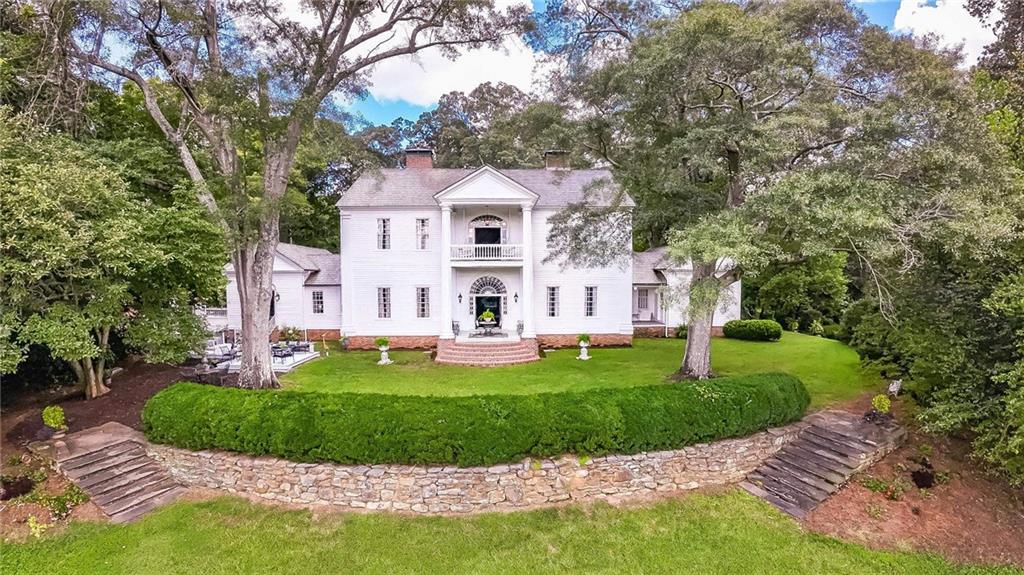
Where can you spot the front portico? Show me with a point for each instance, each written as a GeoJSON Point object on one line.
{"type": "Point", "coordinates": [487, 253]}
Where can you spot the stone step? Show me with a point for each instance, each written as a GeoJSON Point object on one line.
{"type": "Point", "coordinates": [822, 458]}
{"type": "Point", "coordinates": [514, 354]}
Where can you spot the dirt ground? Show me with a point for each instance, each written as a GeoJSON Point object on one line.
{"type": "Point", "coordinates": [21, 423]}
{"type": "Point", "coordinates": [968, 516]}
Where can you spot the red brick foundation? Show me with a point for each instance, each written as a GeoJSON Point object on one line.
{"type": "Point", "coordinates": [659, 331]}
{"type": "Point", "coordinates": [396, 341]}
{"type": "Point", "coordinates": [652, 331]}
{"type": "Point", "coordinates": [596, 340]}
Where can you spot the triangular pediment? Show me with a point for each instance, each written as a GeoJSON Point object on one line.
{"type": "Point", "coordinates": [486, 186]}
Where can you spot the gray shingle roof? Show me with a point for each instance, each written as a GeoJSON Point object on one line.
{"type": "Point", "coordinates": [324, 265]}
{"type": "Point", "coordinates": [646, 264]}
{"type": "Point", "coordinates": [329, 273]}
{"type": "Point", "coordinates": [416, 187]}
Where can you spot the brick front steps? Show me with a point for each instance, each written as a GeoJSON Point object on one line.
{"type": "Point", "coordinates": [487, 354]}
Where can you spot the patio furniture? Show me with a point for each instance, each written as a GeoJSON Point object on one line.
{"type": "Point", "coordinates": [302, 347]}
{"type": "Point", "coordinates": [281, 353]}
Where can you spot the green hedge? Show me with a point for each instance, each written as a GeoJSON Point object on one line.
{"type": "Point", "coordinates": [477, 430]}
{"type": "Point", "coordinates": [752, 329]}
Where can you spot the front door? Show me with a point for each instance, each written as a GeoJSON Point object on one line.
{"type": "Point", "coordinates": [487, 236]}
{"type": "Point", "coordinates": [489, 302]}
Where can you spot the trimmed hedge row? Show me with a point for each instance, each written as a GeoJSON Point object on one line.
{"type": "Point", "coordinates": [752, 329]}
{"type": "Point", "coordinates": [477, 430]}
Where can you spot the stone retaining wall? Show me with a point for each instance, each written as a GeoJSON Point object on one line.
{"type": "Point", "coordinates": [596, 340]}
{"type": "Point", "coordinates": [449, 489]}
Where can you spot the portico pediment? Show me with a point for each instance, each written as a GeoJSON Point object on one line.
{"type": "Point", "coordinates": [486, 186]}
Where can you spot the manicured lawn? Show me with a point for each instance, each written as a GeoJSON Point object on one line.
{"type": "Point", "coordinates": [728, 533]}
{"type": "Point", "coordinates": [829, 369]}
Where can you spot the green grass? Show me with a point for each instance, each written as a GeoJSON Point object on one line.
{"type": "Point", "coordinates": [706, 534]}
{"type": "Point", "coordinates": [829, 369]}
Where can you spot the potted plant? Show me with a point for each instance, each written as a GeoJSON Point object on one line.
{"type": "Point", "coordinates": [583, 340]}
{"type": "Point", "coordinates": [383, 344]}
{"type": "Point", "coordinates": [487, 316]}
{"type": "Point", "coordinates": [53, 417]}
{"type": "Point", "coordinates": [880, 410]}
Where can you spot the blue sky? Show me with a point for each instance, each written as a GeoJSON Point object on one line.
{"type": "Point", "coordinates": [407, 89]}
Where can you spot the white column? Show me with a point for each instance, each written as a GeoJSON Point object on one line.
{"type": "Point", "coordinates": [446, 272]}
{"type": "Point", "coordinates": [528, 317]}
{"type": "Point", "coordinates": [348, 325]}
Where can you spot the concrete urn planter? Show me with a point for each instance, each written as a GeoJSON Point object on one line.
{"type": "Point", "coordinates": [584, 354]}
{"type": "Point", "coordinates": [385, 359]}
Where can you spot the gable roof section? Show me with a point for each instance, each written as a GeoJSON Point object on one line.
{"type": "Point", "coordinates": [303, 256]}
{"type": "Point", "coordinates": [646, 266]}
{"type": "Point", "coordinates": [554, 188]}
{"type": "Point", "coordinates": [328, 271]}
{"type": "Point", "coordinates": [469, 188]}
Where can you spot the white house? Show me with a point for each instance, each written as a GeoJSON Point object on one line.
{"type": "Point", "coordinates": [426, 251]}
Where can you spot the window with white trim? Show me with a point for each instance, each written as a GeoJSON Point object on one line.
{"type": "Point", "coordinates": [422, 302]}
{"type": "Point", "coordinates": [383, 302]}
{"type": "Point", "coordinates": [318, 302]}
{"type": "Point", "coordinates": [383, 233]}
{"type": "Point", "coordinates": [552, 306]}
{"type": "Point", "coordinates": [590, 301]}
{"type": "Point", "coordinates": [641, 298]}
{"type": "Point", "coordinates": [422, 233]}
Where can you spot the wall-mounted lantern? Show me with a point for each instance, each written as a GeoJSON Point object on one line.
{"type": "Point", "coordinates": [515, 297]}
{"type": "Point", "coordinates": [460, 297]}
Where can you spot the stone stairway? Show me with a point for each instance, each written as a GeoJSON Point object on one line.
{"type": "Point", "coordinates": [110, 463]}
{"type": "Point", "coordinates": [487, 354]}
{"type": "Point", "coordinates": [827, 453]}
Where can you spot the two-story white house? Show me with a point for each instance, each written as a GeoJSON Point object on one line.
{"type": "Point", "coordinates": [427, 252]}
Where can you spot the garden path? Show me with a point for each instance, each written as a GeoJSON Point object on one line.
{"type": "Point", "coordinates": [110, 463]}
{"type": "Point", "coordinates": [826, 454]}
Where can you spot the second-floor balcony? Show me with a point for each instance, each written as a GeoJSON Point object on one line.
{"type": "Point", "coordinates": [487, 252]}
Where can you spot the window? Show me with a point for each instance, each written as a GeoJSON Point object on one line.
{"type": "Point", "coordinates": [422, 233]}
{"type": "Point", "coordinates": [552, 301]}
{"type": "Point", "coordinates": [383, 233]}
{"type": "Point", "coordinates": [383, 303]}
{"type": "Point", "coordinates": [590, 301]}
{"type": "Point", "coordinates": [318, 302]}
{"type": "Point", "coordinates": [641, 299]}
{"type": "Point", "coordinates": [422, 302]}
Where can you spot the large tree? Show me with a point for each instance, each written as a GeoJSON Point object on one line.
{"type": "Point", "coordinates": [759, 132]}
{"type": "Point", "coordinates": [84, 259]}
{"type": "Point", "coordinates": [250, 79]}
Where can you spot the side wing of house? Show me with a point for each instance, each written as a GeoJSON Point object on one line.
{"type": "Point", "coordinates": [677, 281]}
{"type": "Point", "coordinates": [288, 288]}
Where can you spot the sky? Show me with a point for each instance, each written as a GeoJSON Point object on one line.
{"type": "Point", "coordinates": [404, 87]}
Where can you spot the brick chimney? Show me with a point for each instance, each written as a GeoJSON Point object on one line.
{"type": "Point", "coordinates": [556, 159]}
{"type": "Point", "coordinates": [419, 158]}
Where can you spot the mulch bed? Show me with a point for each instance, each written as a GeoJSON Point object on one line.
{"type": "Point", "coordinates": [972, 518]}
{"type": "Point", "coordinates": [22, 422]}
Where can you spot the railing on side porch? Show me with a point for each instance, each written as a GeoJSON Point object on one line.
{"type": "Point", "coordinates": [487, 252]}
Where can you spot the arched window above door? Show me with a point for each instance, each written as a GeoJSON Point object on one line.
{"type": "Point", "coordinates": [487, 285]}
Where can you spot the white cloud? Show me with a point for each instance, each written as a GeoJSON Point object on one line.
{"type": "Point", "coordinates": [423, 78]}
{"type": "Point", "coordinates": [947, 19]}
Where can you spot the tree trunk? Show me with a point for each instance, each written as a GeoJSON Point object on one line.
{"type": "Point", "coordinates": [90, 376]}
{"type": "Point", "coordinates": [254, 276]}
{"type": "Point", "coordinates": [703, 299]}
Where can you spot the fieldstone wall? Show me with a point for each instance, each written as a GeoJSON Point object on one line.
{"type": "Point", "coordinates": [450, 489]}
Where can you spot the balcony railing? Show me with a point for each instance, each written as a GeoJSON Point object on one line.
{"type": "Point", "coordinates": [487, 252]}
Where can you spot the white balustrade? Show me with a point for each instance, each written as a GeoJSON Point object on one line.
{"type": "Point", "coordinates": [487, 252]}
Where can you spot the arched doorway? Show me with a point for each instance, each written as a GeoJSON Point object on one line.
{"type": "Point", "coordinates": [488, 293]}
{"type": "Point", "coordinates": [488, 229]}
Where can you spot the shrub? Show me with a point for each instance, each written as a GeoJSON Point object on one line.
{"type": "Point", "coordinates": [53, 417]}
{"type": "Point", "coordinates": [476, 430]}
{"type": "Point", "coordinates": [753, 329]}
{"type": "Point", "coordinates": [681, 331]}
{"type": "Point", "coordinates": [833, 331]}
{"type": "Point", "coordinates": [290, 334]}
{"type": "Point", "coordinates": [881, 403]}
